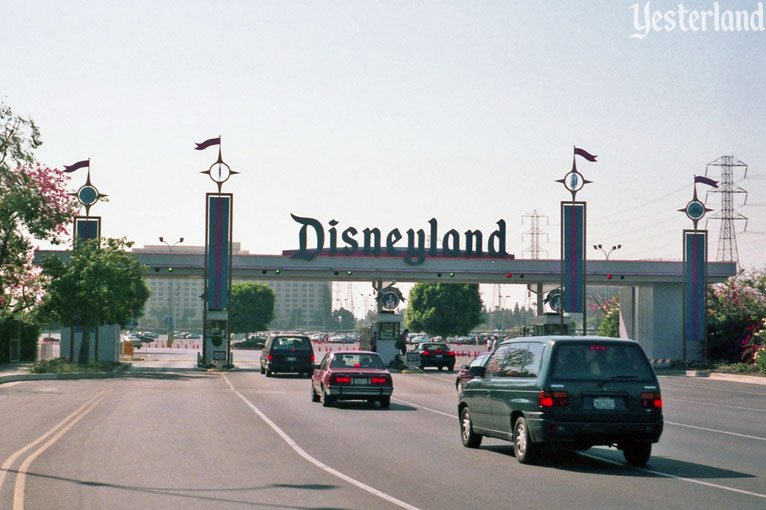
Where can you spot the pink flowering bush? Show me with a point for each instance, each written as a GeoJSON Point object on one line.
{"type": "Point", "coordinates": [736, 312]}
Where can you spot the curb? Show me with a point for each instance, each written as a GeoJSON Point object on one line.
{"type": "Point", "coordinates": [117, 372]}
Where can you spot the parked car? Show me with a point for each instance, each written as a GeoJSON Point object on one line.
{"type": "Point", "coordinates": [352, 375]}
{"type": "Point", "coordinates": [465, 372]}
{"type": "Point", "coordinates": [287, 353]}
{"type": "Point", "coordinates": [574, 392]}
{"type": "Point", "coordinates": [435, 355]}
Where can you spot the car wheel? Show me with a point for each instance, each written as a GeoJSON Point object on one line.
{"type": "Point", "coordinates": [523, 447]}
{"type": "Point", "coordinates": [451, 368]}
{"type": "Point", "coordinates": [421, 367]}
{"type": "Point", "coordinates": [470, 438]}
{"type": "Point", "coordinates": [637, 454]}
{"type": "Point", "coordinates": [326, 399]}
{"type": "Point", "coordinates": [441, 367]}
{"type": "Point", "coordinates": [385, 402]}
{"type": "Point", "coordinates": [314, 395]}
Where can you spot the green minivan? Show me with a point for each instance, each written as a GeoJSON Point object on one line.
{"type": "Point", "coordinates": [574, 392]}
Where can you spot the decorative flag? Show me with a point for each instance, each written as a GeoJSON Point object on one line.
{"type": "Point", "coordinates": [75, 166]}
{"type": "Point", "coordinates": [207, 143]}
{"type": "Point", "coordinates": [705, 180]}
{"type": "Point", "coordinates": [582, 152]}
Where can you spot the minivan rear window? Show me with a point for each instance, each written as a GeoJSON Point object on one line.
{"type": "Point", "coordinates": [600, 361]}
{"type": "Point", "coordinates": [285, 343]}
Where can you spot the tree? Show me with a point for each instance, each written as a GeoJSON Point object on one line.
{"type": "Point", "coordinates": [443, 309]}
{"type": "Point", "coordinates": [735, 312]}
{"type": "Point", "coordinates": [344, 320]}
{"type": "Point", "coordinates": [252, 307]}
{"type": "Point", "coordinates": [100, 284]}
{"type": "Point", "coordinates": [34, 204]}
{"type": "Point", "coordinates": [610, 324]}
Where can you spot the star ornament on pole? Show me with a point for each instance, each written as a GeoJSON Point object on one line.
{"type": "Point", "coordinates": [574, 180]}
{"type": "Point", "coordinates": [88, 194]}
{"type": "Point", "coordinates": [219, 171]}
{"type": "Point", "coordinates": [695, 209]}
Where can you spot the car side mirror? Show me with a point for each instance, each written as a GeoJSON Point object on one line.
{"type": "Point", "coordinates": [464, 367]}
{"type": "Point", "coordinates": [477, 371]}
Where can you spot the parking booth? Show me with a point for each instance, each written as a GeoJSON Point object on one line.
{"type": "Point", "coordinates": [388, 327]}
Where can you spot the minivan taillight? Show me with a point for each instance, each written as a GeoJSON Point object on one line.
{"type": "Point", "coordinates": [651, 400]}
{"type": "Point", "coordinates": [553, 398]}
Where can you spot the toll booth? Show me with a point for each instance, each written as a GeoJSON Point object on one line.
{"type": "Point", "coordinates": [387, 328]}
{"type": "Point", "coordinates": [551, 324]}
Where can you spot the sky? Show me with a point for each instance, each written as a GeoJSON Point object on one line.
{"type": "Point", "coordinates": [387, 114]}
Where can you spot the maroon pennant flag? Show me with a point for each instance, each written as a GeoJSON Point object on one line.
{"type": "Point", "coordinates": [705, 180]}
{"type": "Point", "coordinates": [582, 152]}
{"type": "Point", "coordinates": [75, 166]}
{"type": "Point", "coordinates": [207, 143]}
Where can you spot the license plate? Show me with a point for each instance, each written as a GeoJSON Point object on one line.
{"type": "Point", "coordinates": [292, 358]}
{"type": "Point", "coordinates": [603, 403]}
{"type": "Point", "coordinates": [439, 356]}
{"type": "Point", "coordinates": [360, 380]}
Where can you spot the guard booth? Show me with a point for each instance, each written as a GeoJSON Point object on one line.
{"type": "Point", "coordinates": [388, 327]}
{"type": "Point", "coordinates": [551, 324]}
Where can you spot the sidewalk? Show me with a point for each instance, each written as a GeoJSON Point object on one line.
{"type": "Point", "coordinates": [20, 371]}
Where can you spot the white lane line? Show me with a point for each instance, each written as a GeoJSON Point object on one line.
{"type": "Point", "coordinates": [423, 407]}
{"type": "Point", "coordinates": [717, 431]}
{"type": "Point", "coordinates": [659, 473]}
{"type": "Point", "coordinates": [715, 405]}
{"type": "Point", "coordinates": [300, 451]}
{"type": "Point", "coordinates": [668, 475]}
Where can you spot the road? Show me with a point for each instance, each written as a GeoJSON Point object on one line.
{"type": "Point", "coordinates": [167, 436]}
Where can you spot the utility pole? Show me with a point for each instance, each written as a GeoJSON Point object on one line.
{"type": "Point", "coordinates": [727, 238]}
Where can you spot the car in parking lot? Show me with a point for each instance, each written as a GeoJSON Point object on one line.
{"type": "Point", "coordinates": [287, 353]}
{"type": "Point", "coordinates": [574, 392]}
{"type": "Point", "coordinates": [433, 354]}
{"type": "Point", "coordinates": [352, 375]}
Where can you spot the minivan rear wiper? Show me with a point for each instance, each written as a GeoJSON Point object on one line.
{"type": "Point", "coordinates": [617, 378]}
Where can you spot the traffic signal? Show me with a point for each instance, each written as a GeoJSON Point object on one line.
{"type": "Point", "coordinates": [170, 270]}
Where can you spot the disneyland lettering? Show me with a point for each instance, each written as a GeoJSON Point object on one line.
{"type": "Point", "coordinates": [371, 240]}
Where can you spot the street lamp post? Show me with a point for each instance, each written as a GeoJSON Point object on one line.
{"type": "Point", "coordinates": [605, 251]}
{"type": "Point", "coordinates": [170, 288]}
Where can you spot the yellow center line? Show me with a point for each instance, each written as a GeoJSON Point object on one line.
{"type": "Point", "coordinates": [18, 490]}
{"type": "Point", "coordinates": [9, 462]}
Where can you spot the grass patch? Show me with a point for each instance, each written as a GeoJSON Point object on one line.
{"type": "Point", "coordinates": [65, 366]}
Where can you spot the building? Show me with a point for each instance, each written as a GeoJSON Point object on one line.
{"type": "Point", "coordinates": [299, 304]}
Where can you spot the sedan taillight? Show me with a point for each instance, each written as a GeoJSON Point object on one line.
{"type": "Point", "coordinates": [378, 380]}
{"type": "Point", "coordinates": [340, 379]}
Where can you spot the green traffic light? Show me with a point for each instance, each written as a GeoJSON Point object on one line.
{"type": "Point", "coordinates": [451, 274]}
{"type": "Point", "coordinates": [170, 270]}
{"type": "Point", "coordinates": [349, 272]}
{"type": "Point", "coordinates": [277, 271]}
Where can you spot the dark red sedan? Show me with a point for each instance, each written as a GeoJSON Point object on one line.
{"type": "Point", "coordinates": [351, 375]}
{"type": "Point", "coordinates": [465, 374]}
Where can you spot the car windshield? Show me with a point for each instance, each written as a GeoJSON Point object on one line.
{"type": "Point", "coordinates": [435, 347]}
{"type": "Point", "coordinates": [289, 343]}
{"type": "Point", "coordinates": [357, 361]}
{"type": "Point", "coordinates": [600, 361]}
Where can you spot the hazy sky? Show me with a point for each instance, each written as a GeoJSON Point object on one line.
{"type": "Point", "coordinates": [387, 114]}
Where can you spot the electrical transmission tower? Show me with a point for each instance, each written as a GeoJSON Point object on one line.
{"type": "Point", "coordinates": [534, 234]}
{"type": "Point", "coordinates": [727, 239]}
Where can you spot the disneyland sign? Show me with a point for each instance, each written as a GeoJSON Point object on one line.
{"type": "Point", "coordinates": [371, 242]}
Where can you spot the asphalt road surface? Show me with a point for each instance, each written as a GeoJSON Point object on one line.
{"type": "Point", "coordinates": [167, 436]}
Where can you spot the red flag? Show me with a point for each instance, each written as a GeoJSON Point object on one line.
{"type": "Point", "coordinates": [80, 164]}
{"type": "Point", "coordinates": [705, 180]}
{"type": "Point", "coordinates": [582, 152]}
{"type": "Point", "coordinates": [207, 143]}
